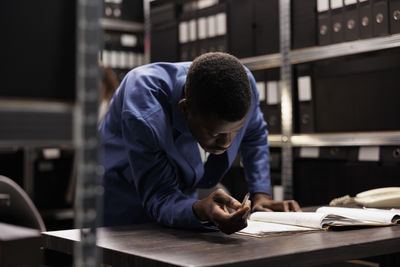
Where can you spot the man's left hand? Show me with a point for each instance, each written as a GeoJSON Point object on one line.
{"type": "Point", "coordinates": [263, 202]}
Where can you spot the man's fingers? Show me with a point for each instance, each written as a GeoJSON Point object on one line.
{"type": "Point", "coordinates": [260, 208]}
{"type": "Point", "coordinates": [223, 198]}
{"type": "Point", "coordinates": [295, 206]}
{"type": "Point", "coordinates": [286, 206]}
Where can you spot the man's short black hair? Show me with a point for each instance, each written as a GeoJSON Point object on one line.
{"type": "Point", "coordinates": [217, 83]}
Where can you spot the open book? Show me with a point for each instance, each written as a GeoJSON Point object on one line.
{"type": "Point", "coordinates": [270, 223]}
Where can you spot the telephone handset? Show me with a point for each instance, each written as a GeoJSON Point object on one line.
{"type": "Point", "coordinates": [387, 197]}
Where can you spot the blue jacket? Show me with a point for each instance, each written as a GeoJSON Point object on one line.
{"type": "Point", "coordinates": [152, 163]}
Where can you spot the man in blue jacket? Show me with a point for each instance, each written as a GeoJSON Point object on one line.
{"type": "Point", "coordinates": [159, 119]}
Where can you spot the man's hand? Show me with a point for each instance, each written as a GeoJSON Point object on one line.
{"type": "Point", "coordinates": [214, 208]}
{"type": "Point", "coordinates": [263, 202]}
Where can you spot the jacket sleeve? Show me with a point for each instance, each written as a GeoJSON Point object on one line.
{"type": "Point", "coordinates": [254, 148]}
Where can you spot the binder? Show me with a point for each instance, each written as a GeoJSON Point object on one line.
{"type": "Point", "coordinates": [304, 23]}
{"type": "Point", "coordinates": [380, 18]}
{"type": "Point", "coordinates": [337, 27]}
{"type": "Point", "coordinates": [164, 32]}
{"type": "Point", "coordinates": [305, 99]}
{"type": "Point", "coordinates": [394, 14]}
{"type": "Point", "coordinates": [324, 32]}
{"type": "Point", "coordinates": [266, 23]}
{"type": "Point", "coordinates": [268, 86]}
{"type": "Point", "coordinates": [132, 10]}
{"type": "Point", "coordinates": [346, 89]}
{"type": "Point", "coordinates": [390, 154]}
{"type": "Point", "coordinates": [272, 108]}
{"type": "Point", "coordinates": [365, 18]}
{"type": "Point", "coordinates": [240, 30]}
{"type": "Point", "coordinates": [351, 22]}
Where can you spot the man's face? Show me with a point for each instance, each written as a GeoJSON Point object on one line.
{"type": "Point", "coordinates": [213, 134]}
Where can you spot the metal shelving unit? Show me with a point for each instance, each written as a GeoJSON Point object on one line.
{"type": "Point", "coordinates": [35, 123]}
{"type": "Point", "coordinates": [388, 138]}
{"type": "Point", "coordinates": [324, 52]}
{"type": "Point", "coordinates": [287, 139]}
{"type": "Point", "coordinates": [347, 139]}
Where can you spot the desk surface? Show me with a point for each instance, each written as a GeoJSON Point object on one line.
{"type": "Point", "coordinates": [19, 246]}
{"type": "Point", "coordinates": [153, 245]}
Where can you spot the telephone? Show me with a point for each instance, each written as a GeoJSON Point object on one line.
{"type": "Point", "coordinates": [386, 197]}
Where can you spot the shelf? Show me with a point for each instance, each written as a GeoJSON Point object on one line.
{"type": "Point", "coordinates": [275, 140]}
{"type": "Point", "coordinates": [347, 139]}
{"type": "Point", "coordinates": [324, 52]}
{"type": "Point", "coordinates": [119, 25]}
{"type": "Point", "coordinates": [35, 123]}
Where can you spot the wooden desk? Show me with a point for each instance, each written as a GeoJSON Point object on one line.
{"type": "Point", "coordinates": [153, 245]}
{"type": "Point", "coordinates": [19, 246]}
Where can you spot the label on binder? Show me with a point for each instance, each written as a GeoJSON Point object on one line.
{"type": "Point", "coordinates": [304, 87]}
{"type": "Point", "coordinates": [273, 95]}
{"type": "Point", "coordinates": [183, 32]}
{"type": "Point", "coordinates": [309, 152]}
{"type": "Point", "coordinates": [128, 40]}
{"type": "Point", "coordinates": [322, 5]}
{"type": "Point", "coordinates": [368, 153]}
{"type": "Point", "coordinates": [211, 21]}
{"type": "Point", "coordinates": [192, 30]}
{"type": "Point", "coordinates": [221, 23]}
{"type": "Point", "coordinates": [350, 2]}
{"type": "Point", "coordinates": [202, 24]}
{"type": "Point", "coordinates": [336, 4]}
{"type": "Point", "coordinates": [261, 90]}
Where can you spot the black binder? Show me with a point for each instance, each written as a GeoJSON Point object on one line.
{"type": "Point", "coordinates": [365, 18]}
{"type": "Point", "coordinates": [272, 108]}
{"type": "Point", "coordinates": [318, 181]}
{"type": "Point", "coordinates": [132, 10]}
{"type": "Point", "coordinates": [324, 22]}
{"type": "Point", "coordinates": [266, 23]}
{"type": "Point", "coordinates": [390, 154]}
{"type": "Point", "coordinates": [357, 94]}
{"type": "Point", "coordinates": [164, 42]}
{"type": "Point", "coordinates": [394, 14]}
{"type": "Point", "coordinates": [351, 22]}
{"type": "Point", "coordinates": [240, 28]}
{"type": "Point", "coordinates": [304, 23]}
{"type": "Point", "coordinates": [164, 32]}
{"type": "Point", "coordinates": [305, 118]}
{"type": "Point", "coordinates": [337, 27]}
{"type": "Point", "coordinates": [380, 17]}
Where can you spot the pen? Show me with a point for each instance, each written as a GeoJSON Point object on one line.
{"type": "Point", "coordinates": [245, 199]}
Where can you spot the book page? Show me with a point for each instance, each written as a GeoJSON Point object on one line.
{"type": "Point", "coordinates": [259, 229]}
{"type": "Point", "coordinates": [373, 215]}
{"type": "Point", "coordinates": [305, 219]}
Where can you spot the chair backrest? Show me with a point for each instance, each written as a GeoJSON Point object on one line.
{"type": "Point", "coordinates": [21, 210]}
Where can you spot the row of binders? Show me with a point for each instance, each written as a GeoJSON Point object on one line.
{"type": "Point", "coordinates": [355, 94]}
{"type": "Point", "coordinates": [122, 59]}
{"type": "Point", "coordinates": [251, 28]}
{"type": "Point", "coordinates": [202, 30]}
{"type": "Point", "coordinates": [129, 10]}
{"type": "Point", "coordinates": [324, 173]}
{"type": "Point", "coordinates": [348, 20]}
{"type": "Point", "coordinates": [122, 51]}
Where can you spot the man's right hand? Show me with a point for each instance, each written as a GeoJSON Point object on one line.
{"type": "Point", "coordinates": [214, 208]}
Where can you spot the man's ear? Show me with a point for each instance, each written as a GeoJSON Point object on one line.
{"type": "Point", "coordinates": [183, 107]}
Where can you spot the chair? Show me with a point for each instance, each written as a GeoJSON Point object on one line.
{"type": "Point", "coordinates": [21, 210]}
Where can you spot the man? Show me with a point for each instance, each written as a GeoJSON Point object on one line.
{"type": "Point", "coordinates": [157, 120]}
